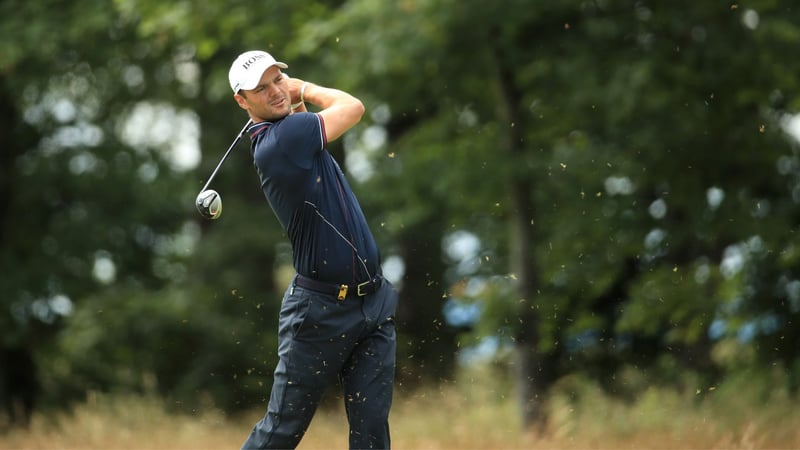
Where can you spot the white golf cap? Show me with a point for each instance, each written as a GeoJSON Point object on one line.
{"type": "Point", "coordinates": [248, 68]}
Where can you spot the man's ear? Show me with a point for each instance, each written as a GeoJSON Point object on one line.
{"type": "Point", "coordinates": [240, 100]}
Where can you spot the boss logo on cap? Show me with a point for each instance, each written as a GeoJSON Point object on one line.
{"type": "Point", "coordinates": [246, 65]}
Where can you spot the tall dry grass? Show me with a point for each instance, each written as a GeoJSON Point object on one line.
{"type": "Point", "coordinates": [472, 413]}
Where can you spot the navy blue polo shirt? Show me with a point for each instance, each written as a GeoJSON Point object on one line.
{"type": "Point", "coordinates": [312, 200]}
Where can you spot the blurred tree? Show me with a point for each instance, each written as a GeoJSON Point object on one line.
{"type": "Point", "coordinates": [625, 168]}
{"type": "Point", "coordinates": [98, 220]}
{"type": "Point", "coordinates": [618, 143]}
{"type": "Point", "coordinates": [83, 207]}
{"type": "Point", "coordinates": [654, 141]}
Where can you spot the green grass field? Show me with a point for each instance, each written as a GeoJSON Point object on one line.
{"type": "Point", "coordinates": [468, 414]}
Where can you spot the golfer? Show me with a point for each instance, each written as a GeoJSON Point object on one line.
{"type": "Point", "coordinates": [337, 315]}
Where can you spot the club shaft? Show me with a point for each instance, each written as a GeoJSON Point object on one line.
{"type": "Point", "coordinates": [225, 156]}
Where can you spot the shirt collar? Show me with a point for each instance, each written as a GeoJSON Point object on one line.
{"type": "Point", "coordinates": [257, 128]}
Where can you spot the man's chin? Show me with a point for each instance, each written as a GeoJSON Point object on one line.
{"type": "Point", "coordinates": [278, 114]}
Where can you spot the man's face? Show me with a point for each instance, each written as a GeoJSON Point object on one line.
{"type": "Point", "coordinates": [269, 100]}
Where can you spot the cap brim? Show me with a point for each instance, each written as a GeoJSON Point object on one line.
{"type": "Point", "coordinates": [253, 81]}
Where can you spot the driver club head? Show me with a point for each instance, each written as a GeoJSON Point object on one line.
{"type": "Point", "coordinates": [208, 201]}
{"type": "Point", "coordinates": [209, 204]}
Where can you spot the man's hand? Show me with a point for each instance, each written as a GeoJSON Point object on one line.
{"type": "Point", "coordinates": [340, 111]}
{"type": "Point", "coordinates": [295, 93]}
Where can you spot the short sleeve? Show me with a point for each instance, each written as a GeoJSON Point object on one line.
{"type": "Point", "coordinates": [301, 136]}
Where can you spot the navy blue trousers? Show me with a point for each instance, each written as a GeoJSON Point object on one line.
{"type": "Point", "coordinates": [320, 340]}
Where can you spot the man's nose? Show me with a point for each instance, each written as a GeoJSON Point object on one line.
{"type": "Point", "coordinates": [273, 89]}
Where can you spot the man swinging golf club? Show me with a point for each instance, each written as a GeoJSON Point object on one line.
{"type": "Point", "coordinates": [337, 315]}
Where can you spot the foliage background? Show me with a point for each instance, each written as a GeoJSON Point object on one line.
{"type": "Point", "coordinates": [573, 189]}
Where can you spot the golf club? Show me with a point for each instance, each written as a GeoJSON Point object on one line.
{"type": "Point", "coordinates": [208, 201]}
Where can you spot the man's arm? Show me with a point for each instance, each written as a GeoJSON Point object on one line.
{"type": "Point", "coordinates": [339, 110]}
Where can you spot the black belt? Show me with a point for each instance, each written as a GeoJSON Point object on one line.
{"type": "Point", "coordinates": [339, 290]}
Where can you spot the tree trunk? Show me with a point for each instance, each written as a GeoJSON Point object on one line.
{"type": "Point", "coordinates": [12, 148]}
{"type": "Point", "coordinates": [427, 347]}
{"type": "Point", "coordinates": [532, 378]}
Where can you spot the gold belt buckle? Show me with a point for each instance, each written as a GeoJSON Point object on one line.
{"type": "Point", "coordinates": [342, 292]}
{"type": "Point", "coordinates": [360, 294]}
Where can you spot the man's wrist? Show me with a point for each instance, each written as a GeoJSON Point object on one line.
{"type": "Point", "coordinates": [303, 92]}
